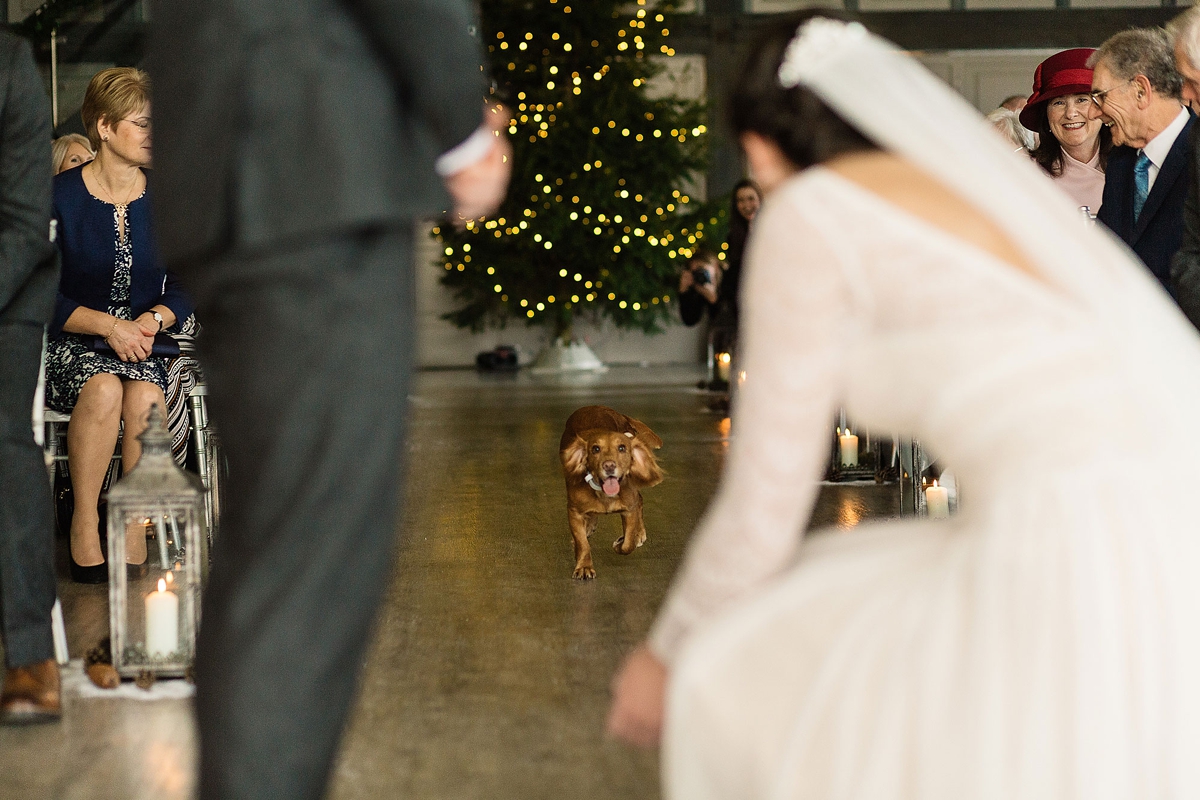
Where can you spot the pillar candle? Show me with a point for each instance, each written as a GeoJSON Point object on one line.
{"type": "Point", "coordinates": [937, 501]}
{"type": "Point", "coordinates": [848, 447]}
{"type": "Point", "coordinates": [162, 621]}
{"type": "Point", "coordinates": [723, 362]}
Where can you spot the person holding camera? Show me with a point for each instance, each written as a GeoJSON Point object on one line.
{"type": "Point", "coordinates": [699, 286]}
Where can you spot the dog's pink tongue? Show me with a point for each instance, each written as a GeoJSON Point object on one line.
{"type": "Point", "coordinates": [612, 487]}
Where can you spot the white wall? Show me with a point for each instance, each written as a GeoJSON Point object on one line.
{"type": "Point", "coordinates": [985, 77]}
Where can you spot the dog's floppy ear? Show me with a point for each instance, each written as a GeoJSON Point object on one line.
{"type": "Point", "coordinates": [644, 467]}
{"type": "Point", "coordinates": [642, 431]}
{"type": "Point", "coordinates": [574, 457]}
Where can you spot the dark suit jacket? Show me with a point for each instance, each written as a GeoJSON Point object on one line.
{"type": "Point", "coordinates": [28, 268]}
{"type": "Point", "coordinates": [278, 119]}
{"type": "Point", "coordinates": [1158, 232]}
{"type": "Point", "coordinates": [1185, 267]}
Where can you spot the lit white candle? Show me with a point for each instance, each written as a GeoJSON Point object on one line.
{"type": "Point", "coordinates": [162, 621]}
{"type": "Point", "coordinates": [723, 362]}
{"type": "Point", "coordinates": [848, 448]}
{"type": "Point", "coordinates": [937, 501]}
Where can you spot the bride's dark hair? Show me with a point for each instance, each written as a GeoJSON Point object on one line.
{"type": "Point", "coordinates": [806, 129]}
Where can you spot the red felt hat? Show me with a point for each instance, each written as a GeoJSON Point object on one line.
{"type": "Point", "coordinates": [1062, 73]}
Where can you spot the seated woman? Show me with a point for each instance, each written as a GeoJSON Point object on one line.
{"type": "Point", "coordinates": [113, 287]}
{"type": "Point", "coordinates": [69, 151]}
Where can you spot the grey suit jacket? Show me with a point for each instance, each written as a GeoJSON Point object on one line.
{"type": "Point", "coordinates": [28, 267]}
{"type": "Point", "coordinates": [279, 119]}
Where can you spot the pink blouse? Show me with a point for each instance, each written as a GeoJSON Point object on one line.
{"type": "Point", "coordinates": [1083, 182]}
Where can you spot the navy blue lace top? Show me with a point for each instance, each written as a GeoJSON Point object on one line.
{"type": "Point", "coordinates": [89, 254]}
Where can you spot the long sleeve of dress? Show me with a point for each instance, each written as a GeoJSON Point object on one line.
{"type": "Point", "coordinates": [796, 322]}
{"type": "Point", "coordinates": [176, 298]}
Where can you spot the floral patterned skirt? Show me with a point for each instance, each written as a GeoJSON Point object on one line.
{"type": "Point", "coordinates": [70, 363]}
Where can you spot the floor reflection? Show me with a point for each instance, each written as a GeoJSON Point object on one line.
{"type": "Point", "coordinates": [490, 669]}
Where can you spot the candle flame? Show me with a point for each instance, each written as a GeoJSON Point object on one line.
{"type": "Point", "coordinates": [170, 577]}
{"type": "Point", "coordinates": [162, 585]}
{"type": "Point", "coordinates": [935, 482]}
{"type": "Point", "coordinates": [724, 358]}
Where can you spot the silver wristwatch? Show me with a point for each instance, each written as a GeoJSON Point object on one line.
{"type": "Point", "coordinates": [159, 318]}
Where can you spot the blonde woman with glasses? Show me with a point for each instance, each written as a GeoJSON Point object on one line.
{"type": "Point", "coordinates": [114, 291]}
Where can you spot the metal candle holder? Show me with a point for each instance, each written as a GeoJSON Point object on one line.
{"type": "Point", "coordinates": [154, 629]}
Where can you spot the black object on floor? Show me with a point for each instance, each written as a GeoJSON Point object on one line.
{"type": "Point", "coordinates": [502, 359]}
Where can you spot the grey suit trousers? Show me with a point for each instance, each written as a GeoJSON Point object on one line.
{"type": "Point", "coordinates": [27, 580]}
{"type": "Point", "coordinates": [307, 352]}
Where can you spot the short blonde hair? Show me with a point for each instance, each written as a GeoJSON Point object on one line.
{"type": "Point", "coordinates": [112, 95]}
{"type": "Point", "coordinates": [58, 150]}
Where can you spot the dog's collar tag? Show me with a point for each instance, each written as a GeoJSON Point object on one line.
{"type": "Point", "coordinates": [592, 482]}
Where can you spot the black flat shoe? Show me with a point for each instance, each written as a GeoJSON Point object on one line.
{"type": "Point", "coordinates": [97, 573]}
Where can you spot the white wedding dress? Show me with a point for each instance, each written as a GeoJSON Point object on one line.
{"type": "Point", "coordinates": [1042, 644]}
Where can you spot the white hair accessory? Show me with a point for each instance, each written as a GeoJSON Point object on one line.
{"type": "Point", "coordinates": [816, 42]}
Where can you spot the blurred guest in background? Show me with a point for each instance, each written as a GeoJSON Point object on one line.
{"type": "Point", "coordinates": [28, 277]}
{"type": "Point", "coordinates": [745, 200]}
{"type": "Point", "coordinates": [1136, 93]}
{"type": "Point", "coordinates": [1007, 125]}
{"type": "Point", "coordinates": [70, 151]}
{"type": "Point", "coordinates": [1184, 31]}
{"type": "Point", "coordinates": [699, 285]}
{"type": "Point", "coordinates": [1014, 103]}
{"type": "Point", "coordinates": [1073, 146]}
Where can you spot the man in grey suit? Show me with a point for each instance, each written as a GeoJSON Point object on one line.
{"type": "Point", "coordinates": [1184, 31]}
{"type": "Point", "coordinates": [28, 283]}
{"type": "Point", "coordinates": [295, 143]}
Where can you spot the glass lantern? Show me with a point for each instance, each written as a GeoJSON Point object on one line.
{"type": "Point", "coordinates": [154, 610]}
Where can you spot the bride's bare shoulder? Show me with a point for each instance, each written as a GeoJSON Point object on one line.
{"type": "Point", "coordinates": [909, 188]}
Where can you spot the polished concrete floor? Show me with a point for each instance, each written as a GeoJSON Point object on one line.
{"type": "Point", "coordinates": [489, 674]}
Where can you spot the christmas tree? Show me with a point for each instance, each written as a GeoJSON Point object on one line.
{"type": "Point", "coordinates": [598, 219]}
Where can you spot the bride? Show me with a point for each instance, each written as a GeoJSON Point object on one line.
{"type": "Point", "coordinates": [1045, 642]}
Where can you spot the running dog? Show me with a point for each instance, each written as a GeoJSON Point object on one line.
{"type": "Point", "coordinates": [607, 459]}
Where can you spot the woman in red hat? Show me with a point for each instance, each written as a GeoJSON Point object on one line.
{"type": "Point", "coordinates": [1072, 149]}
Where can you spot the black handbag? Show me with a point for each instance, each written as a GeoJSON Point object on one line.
{"type": "Point", "coordinates": [165, 346]}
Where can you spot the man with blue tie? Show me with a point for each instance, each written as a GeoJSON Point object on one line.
{"type": "Point", "coordinates": [1136, 92]}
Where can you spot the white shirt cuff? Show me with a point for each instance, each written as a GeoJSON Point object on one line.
{"type": "Point", "coordinates": [466, 153]}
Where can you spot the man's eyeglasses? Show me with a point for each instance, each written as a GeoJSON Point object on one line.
{"type": "Point", "coordinates": [1098, 97]}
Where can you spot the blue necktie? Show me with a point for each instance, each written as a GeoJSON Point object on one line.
{"type": "Point", "coordinates": [1141, 183]}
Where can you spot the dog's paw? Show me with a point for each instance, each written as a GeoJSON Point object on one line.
{"type": "Point", "coordinates": [584, 574]}
{"type": "Point", "coordinates": [619, 546]}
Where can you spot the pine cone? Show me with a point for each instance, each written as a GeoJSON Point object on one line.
{"type": "Point", "coordinates": [100, 654]}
